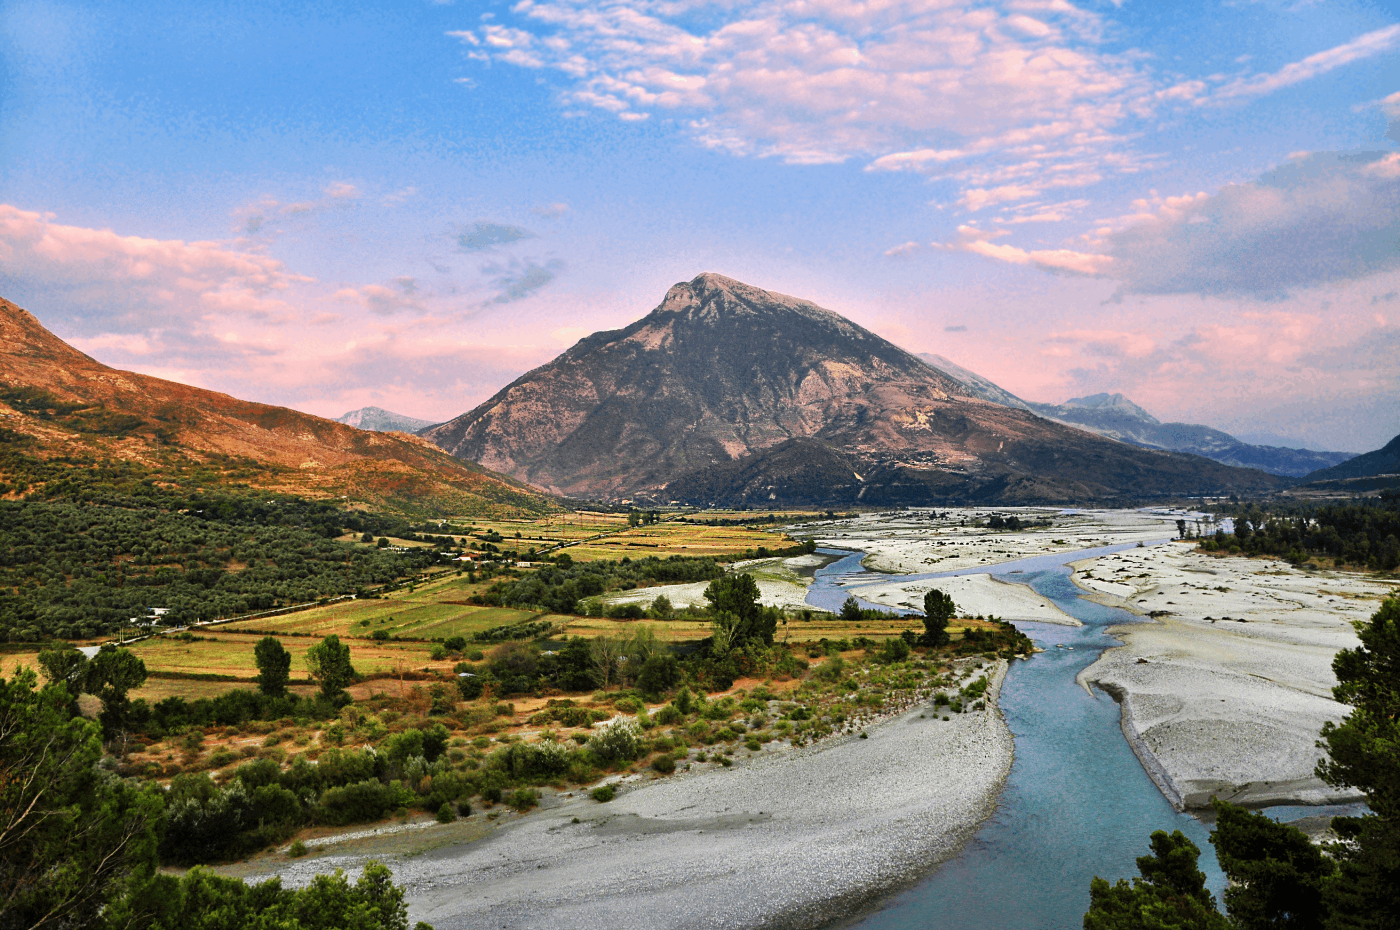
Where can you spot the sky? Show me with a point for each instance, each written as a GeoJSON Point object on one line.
{"type": "Point", "coordinates": [409, 204]}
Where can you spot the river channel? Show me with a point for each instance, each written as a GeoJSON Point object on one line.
{"type": "Point", "coordinates": [1077, 802]}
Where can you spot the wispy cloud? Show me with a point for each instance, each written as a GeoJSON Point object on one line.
{"type": "Point", "coordinates": [481, 236]}
{"type": "Point", "coordinates": [520, 279]}
{"type": "Point", "coordinates": [1372, 43]}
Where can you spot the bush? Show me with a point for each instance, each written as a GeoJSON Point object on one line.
{"type": "Point", "coordinates": [464, 808]}
{"type": "Point", "coordinates": [446, 814]}
{"type": "Point", "coordinates": [522, 799]}
{"type": "Point", "coordinates": [664, 764]}
{"type": "Point", "coordinates": [296, 850]}
{"type": "Point", "coordinates": [437, 652]}
{"type": "Point", "coordinates": [616, 740]}
{"type": "Point", "coordinates": [603, 793]}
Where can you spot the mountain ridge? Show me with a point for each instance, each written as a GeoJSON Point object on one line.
{"type": "Point", "coordinates": [379, 420]}
{"type": "Point", "coordinates": [1116, 417]}
{"type": "Point", "coordinates": [57, 401]}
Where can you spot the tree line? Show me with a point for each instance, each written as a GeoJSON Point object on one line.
{"type": "Point", "coordinates": [1364, 532]}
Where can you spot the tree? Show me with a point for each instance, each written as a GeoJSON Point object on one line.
{"type": "Point", "coordinates": [274, 666]}
{"type": "Point", "coordinates": [111, 675]}
{"type": "Point", "coordinates": [329, 663]}
{"type": "Point", "coordinates": [1170, 895]}
{"type": "Point", "coordinates": [1364, 752]}
{"type": "Point", "coordinates": [1180, 529]}
{"type": "Point", "coordinates": [1276, 873]}
{"type": "Point", "coordinates": [737, 595]}
{"type": "Point", "coordinates": [938, 610]}
{"type": "Point", "coordinates": [72, 838]}
{"type": "Point", "coordinates": [850, 610]}
{"type": "Point", "coordinates": [63, 664]}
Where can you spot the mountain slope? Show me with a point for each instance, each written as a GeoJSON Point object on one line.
{"type": "Point", "coordinates": [55, 401]}
{"type": "Point", "coordinates": [697, 400]}
{"type": "Point", "coordinates": [1117, 417]}
{"type": "Point", "coordinates": [379, 420]}
{"type": "Point", "coordinates": [1382, 461]}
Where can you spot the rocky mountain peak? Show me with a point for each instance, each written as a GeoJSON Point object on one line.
{"type": "Point", "coordinates": [1116, 403]}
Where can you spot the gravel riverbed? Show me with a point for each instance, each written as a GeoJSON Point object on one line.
{"type": "Point", "coordinates": [794, 839]}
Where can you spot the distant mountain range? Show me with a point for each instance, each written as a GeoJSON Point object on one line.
{"type": "Point", "coordinates": [57, 403]}
{"type": "Point", "coordinates": [1116, 417]}
{"type": "Point", "coordinates": [727, 394]}
{"type": "Point", "coordinates": [379, 420]}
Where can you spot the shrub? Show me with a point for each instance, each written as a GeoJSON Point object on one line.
{"type": "Point", "coordinates": [437, 652]}
{"type": "Point", "coordinates": [464, 808]}
{"type": "Point", "coordinates": [446, 814]}
{"type": "Point", "coordinates": [603, 793]}
{"type": "Point", "coordinates": [296, 850]}
{"type": "Point", "coordinates": [664, 764]}
{"type": "Point", "coordinates": [667, 715]}
{"type": "Point", "coordinates": [522, 799]}
{"type": "Point", "coordinates": [616, 740]}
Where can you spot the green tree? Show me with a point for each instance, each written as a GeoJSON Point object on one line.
{"type": "Point", "coordinates": [938, 610]}
{"type": "Point", "coordinates": [1364, 752]}
{"type": "Point", "coordinates": [850, 610]}
{"type": "Point", "coordinates": [63, 664]}
{"type": "Point", "coordinates": [72, 838]}
{"type": "Point", "coordinates": [329, 663]}
{"type": "Point", "coordinates": [111, 675]}
{"type": "Point", "coordinates": [274, 666]}
{"type": "Point", "coordinates": [1276, 873]}
{"type": "Point", "coordinates": [737, 595]}
{"type": "Point", "coordinates": [1170, 895]}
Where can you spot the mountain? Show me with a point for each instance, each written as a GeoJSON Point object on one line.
{"type": "Point", "coordinates": [728, 394]}
{"type": "Point", "coordinates": [1117, 417]}
{"type": "Point", "coordinates": [379, 420]}
{"type": "Point", "coordinates": [56, 402]}
{"type": "Point", "coordinates": [1383, 461]}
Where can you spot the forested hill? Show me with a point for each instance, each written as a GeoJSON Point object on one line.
{"type": "Point", "coordinates": [102, 546]}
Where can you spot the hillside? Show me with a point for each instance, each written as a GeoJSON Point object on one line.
{"type": "Point", "coordinates": [1117, 417]}
{"type": "Point", "coordinates": [1382, 461]}
{"type": "Point", "coordinates": [700, 400]}
{"type": "Point", "coordinates": [56, 402]}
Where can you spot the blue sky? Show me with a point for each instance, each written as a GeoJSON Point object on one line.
{"type": "Point", "coordinates": [410, 204]}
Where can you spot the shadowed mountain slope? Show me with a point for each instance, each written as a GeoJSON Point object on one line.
{"type": "Point", "coordinates": [55, 401]}
{"type": "Point", "coordinates": [1117, 417]}
{"type": "Point", "coordinates": [703, 401]}
{"type": "Point", "coordinates": [1383, 461]}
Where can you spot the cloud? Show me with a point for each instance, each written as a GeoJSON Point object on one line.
{"type": "Point", "coordinates": [1372, 43]}
{"type": "Point", "coordinates": [521, 279]}
{"type": "Point", "coordinates": [1319, 218]}
{"type": "Point", "coordinates": [481, 236]}
{"type": "Point", "coordinates": [899, 251]}
{"type": "Point", "coordinates": [978, 242]}
{"type": "Point", "coordinates": [960, 328]}
{"type": "Point", "coordinates": [105, 273]}
{"type": "Point", "coordinates": [912, 86]}
{"type": "Point", "coordinates": [550, 210]}
{"type": "Point", "coordinates": [384, 300]}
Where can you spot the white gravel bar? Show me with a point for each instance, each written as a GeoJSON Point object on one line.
{"type": "Point", "coordinates": [784, 840]}
{"type": "Point", "coordinates": [1225, 693]}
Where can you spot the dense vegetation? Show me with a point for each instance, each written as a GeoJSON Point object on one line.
{"type": "Point", "coordinates": [96, 547]}
{"type": "Point", "coordinates": [560, 587]}
{"type": "Point", "coordinates": [79, 846]}
{"type": "Point", "coordinates": [1279, 880]}
{"type": "Point", "coordinates": [1364, 533]}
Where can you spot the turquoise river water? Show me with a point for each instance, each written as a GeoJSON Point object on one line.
{"type": "Point", "coordinates": [1077, 802]}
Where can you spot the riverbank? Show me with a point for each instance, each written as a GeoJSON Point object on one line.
{"type": "Point", "coordinates": [795, 839]}
{"type": "Point", "coordinates": [1226, 688]}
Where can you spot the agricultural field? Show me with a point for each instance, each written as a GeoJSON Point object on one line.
{"type": "Point", "coordinates": [668, 539]}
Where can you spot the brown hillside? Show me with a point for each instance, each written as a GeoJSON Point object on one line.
{"type": "Point", "coordinates": [74, 405]}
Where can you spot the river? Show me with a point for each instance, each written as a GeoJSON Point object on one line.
{"type": "Point", "coordinates": [1077, 802]}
